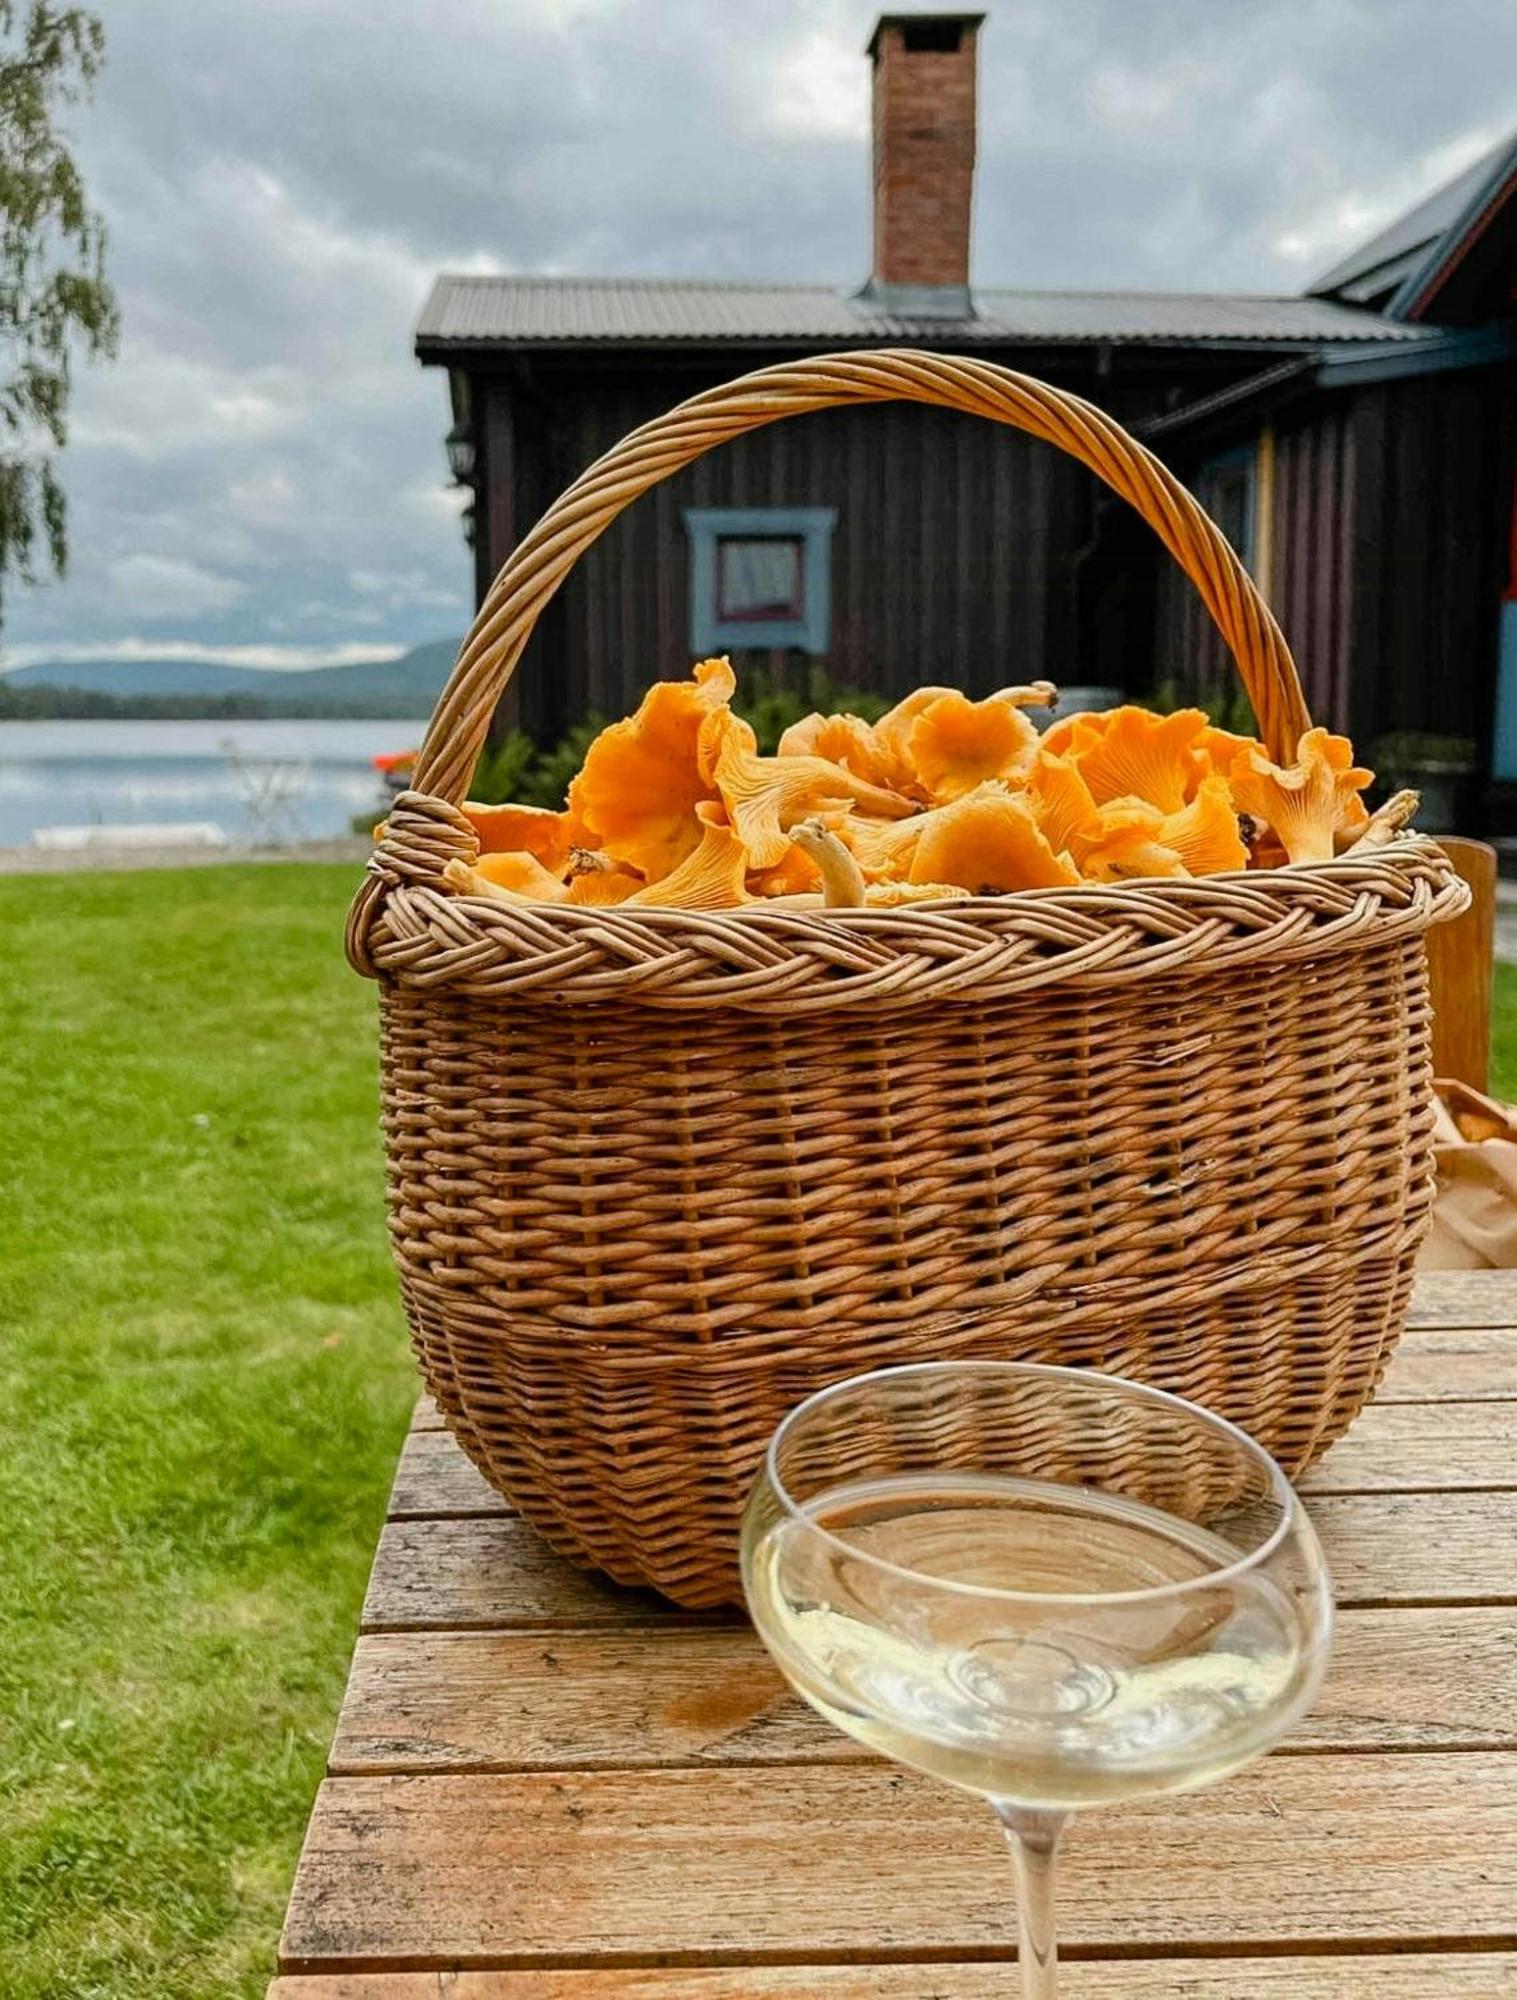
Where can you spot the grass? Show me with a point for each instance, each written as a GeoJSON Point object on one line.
{"type": "Point", "coordinates": [204, 1383]}
{"type": "Point", "coordinates": [1504, 1034]}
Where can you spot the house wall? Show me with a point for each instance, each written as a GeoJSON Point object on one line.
{"type": "Point", "coordinates": [964, 552]}
{"type": "Point", "coordinates": [1432, 489]}
{"type": "Point", "coordinates": [1390, 513]}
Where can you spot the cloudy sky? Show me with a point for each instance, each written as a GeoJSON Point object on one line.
{"type": "Point", "coordinates": [261, 470]}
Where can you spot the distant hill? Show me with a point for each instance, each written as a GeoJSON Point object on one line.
{"type": "Point", "coordinates": [405, 686]}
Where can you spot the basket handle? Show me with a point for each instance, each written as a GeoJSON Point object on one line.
{"type": "Point", "coordinates": [539, 563]}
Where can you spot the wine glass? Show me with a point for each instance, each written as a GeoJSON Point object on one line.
{"type": "Point", "coordinates": [1047, 1586]}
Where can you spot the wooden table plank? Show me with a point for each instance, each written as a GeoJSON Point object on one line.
{"type": "Point", "coordinates": [434, 1478]}
{"type": "Point", "coordinates": [1401, 1448]}
{"type": "Point", "coordinates": [1394, 1447]}
{"type": "Point", "coordinates": [490, 1701]}
{"type": "Point", "coordinates": [1452, 1364]}
{"type": "Point", "coordinates": [1449, 1976]}
{"type": "Point", "coordinates": [1419, 1548]}
{"type": "Point", "coordinates": [477, 1574]}
{"type": "Point", "coordinates": [867, 1862]}
{"type": "Point", "coordinates": [1464, 1298]}
{"type": "Point", "coordinates": [493, 1574]}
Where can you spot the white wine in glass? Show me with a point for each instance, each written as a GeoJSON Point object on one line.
{"type": "Point", "coordinates": [1043, 1585]}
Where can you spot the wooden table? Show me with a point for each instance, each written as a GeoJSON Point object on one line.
{"type": "Point", "coordinates": [563, 1791]}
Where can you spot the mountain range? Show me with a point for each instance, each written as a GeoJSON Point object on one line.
{"type": "Point", "coordinates": [407, 685]}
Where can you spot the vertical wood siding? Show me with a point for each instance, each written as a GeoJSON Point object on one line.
{"type": "Point", "coordinates": [956, 555]}
{"type": "Point", "coordinates": [1391, 504]}
{"type": "Point", "coordinates": [1432, 493]}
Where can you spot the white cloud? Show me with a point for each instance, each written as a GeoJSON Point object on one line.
{"type": "Point", "coordinates": [819, 88]}
{"type": "Point", "coordinates": [148, 586]}
{"type": "Point", "coordinates": [1332, 226]}
{"type": "Point", "coordinates": [283, 181]}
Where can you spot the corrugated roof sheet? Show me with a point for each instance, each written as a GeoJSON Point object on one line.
{"type": "Point", "coordinates": [468, 311]}
{"type": "Point", "coordinates": [1376, 266]}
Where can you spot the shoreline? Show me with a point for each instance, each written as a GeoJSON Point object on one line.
{"type": "Point", "coordinates": [112, 860]}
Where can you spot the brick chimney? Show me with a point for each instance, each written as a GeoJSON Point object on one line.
{"type": "Point", "coordinates": [924, 139]}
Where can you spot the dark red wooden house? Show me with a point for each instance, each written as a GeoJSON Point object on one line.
{"type": "Point", "coordinates": [1356, 443]}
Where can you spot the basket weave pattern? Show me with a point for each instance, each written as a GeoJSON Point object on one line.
{"type": "Point", "coordinates": [656, 1175]}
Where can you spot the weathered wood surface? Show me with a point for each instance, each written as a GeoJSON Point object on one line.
{"type": "Point", "coordinates": [479, 1573]}
{"type": "Point", "coordinates": [491, 1701]}
{"type": "Point", "coordinates": [487, 1573]}
{"type": "Point", "coordinates": [872, 1862]}
{"type": "Point", "coordinates": [575, 1792]}
{"type": "Point", "coordinates": [1416, 1976]}
{"type": "Point", "coordinates": [1451, 1364]}
{"type": "Point", "coordinates": [1465, 1298]}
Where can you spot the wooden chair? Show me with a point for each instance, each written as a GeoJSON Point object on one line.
{"type": "Point", "coordinates": [1461, 959]}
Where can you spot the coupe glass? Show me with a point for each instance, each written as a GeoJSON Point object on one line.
{"type": "Point", "coordinates": [1046, 1586]}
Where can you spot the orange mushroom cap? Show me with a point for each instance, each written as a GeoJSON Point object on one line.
{"type": "Point", "coordinates": [523, 873]}
{"type": "Point", "coordinates": [513, 829]}
{"type": "Point", "coordinates": [1139, 755]}
{"type": "Point", "coordinates": [600, 886]}
{"type": "Point", "coordinates": [1062, 800]}
{"type": "Point", "coordinates": [711, 877]}
{"type": "Point", "coordinates": [1123, 842]}
{"type": "Point", "coordinates": [840, 739]}
{"type": "Point", "coordinates": [465, 880]}
{"type": "Point", "coordinates": [1309, 803]}
{"type": "Point", "coordinates": [642, 780]}
{"type": "Point", "coordinates": [955, 744]}
{"type": "Point", "coordinates": [796, 875]}
{"type": "Point", "coordinates": [882, 848]}
{"type": "Point", "coordinates": [988, 842]}
{"type": "Point", "coordinates": [1205, 834]}
{"type": "Point", "coordinates": [1123, 837]}
{"type": "Point", "coordinates": [765, 796]}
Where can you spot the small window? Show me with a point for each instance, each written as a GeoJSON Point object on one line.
{"type": "Point", "coordinates": [759, 577]}
{"type": "Point", "coordinates": [1226, 489]}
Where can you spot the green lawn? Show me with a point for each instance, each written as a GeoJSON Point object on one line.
{"type": "Point", "coordinates": [205, 1383]}
{"type": "Point", "coordinates": [1504, 1035]}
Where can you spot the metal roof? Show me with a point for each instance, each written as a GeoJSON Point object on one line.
{"type": "Point", "coordinates": [1399, 252]}
{"type": "Point", "coordinates": [471, 311]}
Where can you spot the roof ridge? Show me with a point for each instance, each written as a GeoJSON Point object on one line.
{"type": "Point", "coordinates": [561, 281]}
{"type": "Point", "coordinates": [559, 278]}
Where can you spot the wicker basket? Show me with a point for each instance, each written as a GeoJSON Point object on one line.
{"type": "Point", "coordinates": [654, 1175]}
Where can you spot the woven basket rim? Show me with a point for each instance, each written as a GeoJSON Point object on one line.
{"type": "Point", "coordinates": [807, 960]}
{"type": "Point", "coordinates": [1296, 880]}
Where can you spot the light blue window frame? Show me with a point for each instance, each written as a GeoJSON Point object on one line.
{"type": "Point", "coordinates": [812, 527]}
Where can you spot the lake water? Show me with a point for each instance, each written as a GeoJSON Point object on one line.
{"type": "Point", "coordinates": [256, 780]}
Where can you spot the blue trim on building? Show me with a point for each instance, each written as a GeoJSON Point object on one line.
{"type": "Point", "coordinates": [1474, 348]}
{"type": "Point", "coordinates": [812, 526]}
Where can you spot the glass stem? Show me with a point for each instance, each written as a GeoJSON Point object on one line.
{"type": "Point", "coordinates": [1034, 1840]}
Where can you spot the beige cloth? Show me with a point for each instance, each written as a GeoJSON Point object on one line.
{"type": "Point", "coordinates": [1475, 1212]}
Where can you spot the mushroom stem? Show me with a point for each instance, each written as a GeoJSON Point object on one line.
{"type": "Point", "coordinates": [1386, 821]}
{"type": "Point", "coordinates": [1035, 694]}
{"type": "Point", "coordinates": [842, 879]}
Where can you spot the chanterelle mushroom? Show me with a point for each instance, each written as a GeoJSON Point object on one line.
{"type": "Point", "coordinates": [1308, 803]}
